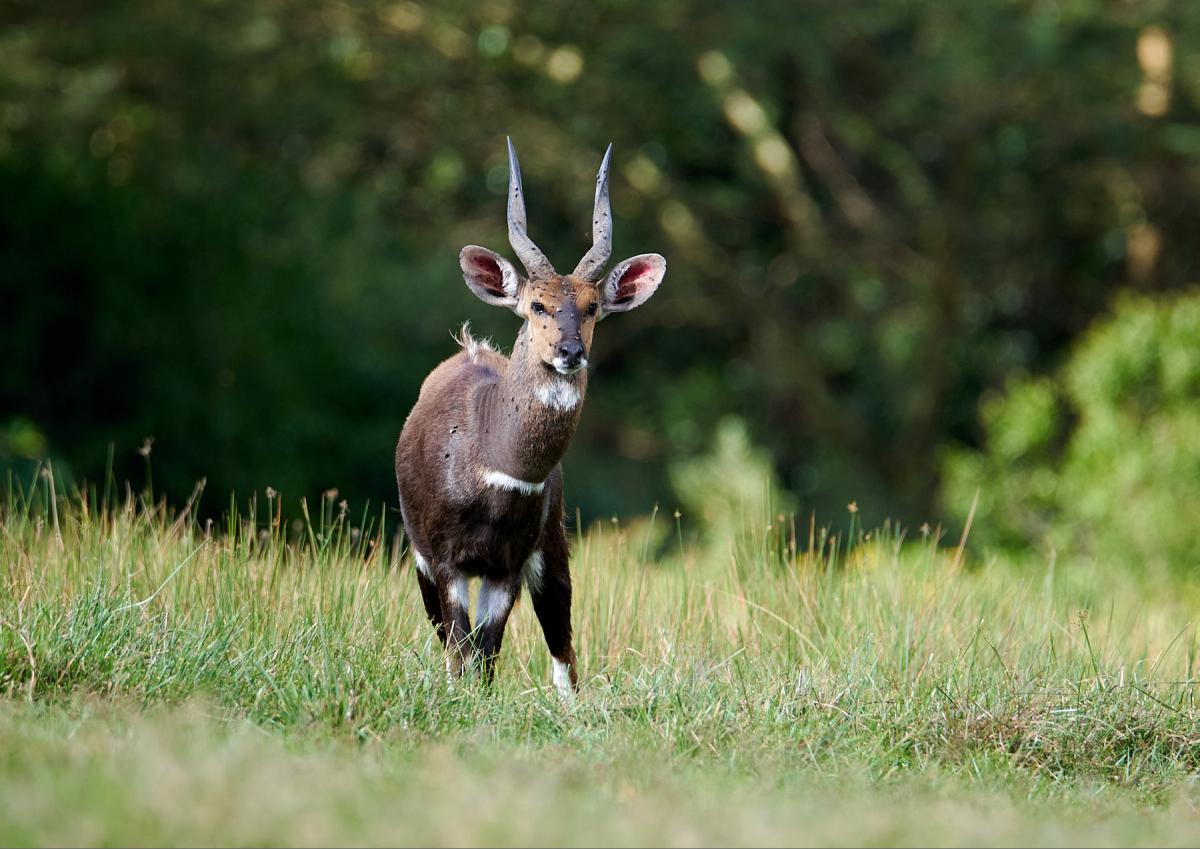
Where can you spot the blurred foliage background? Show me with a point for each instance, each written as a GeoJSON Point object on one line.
{"type": "Point", "coordinates": [233, 227]}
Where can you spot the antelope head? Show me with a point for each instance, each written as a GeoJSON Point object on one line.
{"type": "Point", "coordinates": [560, 310]}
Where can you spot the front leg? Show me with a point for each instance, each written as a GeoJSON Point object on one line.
{"type": "Point", "coordinates": [548, 576]}
{"type": "Point", "coordinates": [452, 590]}
{"type": "Point", "coordinates": [496, 599]}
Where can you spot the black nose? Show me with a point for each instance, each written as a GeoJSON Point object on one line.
{"type": "Point", "coordinates": [571, 352]}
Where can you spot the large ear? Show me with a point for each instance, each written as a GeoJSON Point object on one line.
{"type": "Point", "coordinates": [490, 276]}
{"type": "Point", "coordinates": [631, 283]}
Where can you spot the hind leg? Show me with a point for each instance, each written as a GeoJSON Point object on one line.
{"type": "Point", "coordinates": [430, 595]}
{"type": "Point", "coordinates": [426, 581]}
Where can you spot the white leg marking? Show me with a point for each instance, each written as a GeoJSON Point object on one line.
{"type": "Point", "coordinates": [562, 678]}
{"type": "Point", "coordinates": [531, 572]}
{"type": "Point", "coordinates": [502, 481]}
{"type": "Point", "coordinates": [494, 601]}
{"type": "Point", "coordinates": [422, 565]}
{"type": "Point", "coordinates": [558, 394]}
{"type": "Point", "coordinates": [459, 593]}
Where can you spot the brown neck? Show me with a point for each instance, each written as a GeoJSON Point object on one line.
{"type": "Point", "coordinates": [528, 417]}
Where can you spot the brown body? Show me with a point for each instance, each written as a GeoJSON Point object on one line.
{"type": "Point", "coordinates": [479, 413]}
{"type": "Point", "coordinates": [478, 461]}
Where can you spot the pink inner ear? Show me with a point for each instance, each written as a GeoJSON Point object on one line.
{"type": "Point", "coordinates": [488, 274]}
{"type": "Point", "coordinates": [627, 286]}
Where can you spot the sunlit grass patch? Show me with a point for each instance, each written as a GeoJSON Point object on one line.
{"type": "Point", "coordinates": [288, 680]}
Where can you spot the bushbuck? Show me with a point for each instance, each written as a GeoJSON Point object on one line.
{"type": "Point", "coordinates": [478, 462]}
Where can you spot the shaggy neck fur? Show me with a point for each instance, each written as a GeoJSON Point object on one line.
{"type": "Point", "coordinates": [528, 417]}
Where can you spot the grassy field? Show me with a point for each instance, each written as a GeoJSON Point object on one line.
{"type": "Point", "coordinates": [163, 681]}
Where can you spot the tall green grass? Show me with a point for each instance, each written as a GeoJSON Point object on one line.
{"type": "Point", "coordinates": [777, 669]}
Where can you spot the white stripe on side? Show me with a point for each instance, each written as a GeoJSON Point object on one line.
{"type": "Point", "coordinates": [502, 481]}
{"type": "Point", "coordinates": [531, 572]}
{"type": "Point", "coordinates": [558, 395]}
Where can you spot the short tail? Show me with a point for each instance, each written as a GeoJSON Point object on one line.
{"type": "Point", "coordinates": [470, 344]}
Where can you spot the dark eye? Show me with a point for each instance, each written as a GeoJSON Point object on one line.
{"type": "Point", "coordinates": [592, 307]}
{"type": "Point", "coordinates": [537, 308]}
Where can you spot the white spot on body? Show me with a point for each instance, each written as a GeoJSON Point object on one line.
{"type": "Point", "coordinates": [531, 572]}
{"type": "Point", "coordinates": [495, 600]}
{"type": "Point", "coordinates": [559, 394]}
{"type": "Point", "coordinates": [562, 678]}
{"type": "Point", "coordinates": [499, 480]}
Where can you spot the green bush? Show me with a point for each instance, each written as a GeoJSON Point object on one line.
{"type": "Point", "coordinates": [731, 485]}
{"type": "Point", "coordinates": [1104, 456]}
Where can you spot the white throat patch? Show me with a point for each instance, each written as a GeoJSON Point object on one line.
{"type": "Point", "coordinates": [502, 481]}
{"type": "Point", "coordinates": [558, 394]}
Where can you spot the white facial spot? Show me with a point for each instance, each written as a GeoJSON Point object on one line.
{"type": "Point", "coordinates": [495, 600]}
{"type": "Point", "coordinates": [531, 572]}
{"type": "Point", "coordinates": [559, 394]}
{"type": "Point", "coordinates": [499, 480]}
{"type": "Point", "coordinates": [562, 679]}
{"type": "Point", "coordinates": [459, 593]}
{"type": "Point", "coordinates": [422, 565]}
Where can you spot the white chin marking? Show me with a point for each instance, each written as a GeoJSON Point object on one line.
{"type": "Point", "coordinates": [562, 679]}
{"type": "Point", "coordinates": [531, 572]}
{"type": "Point", "coordinates": [561, 367]}
{"type": "Point", "coordinates": [502, 481]}
{"type": "Point", "coordinates": [558, 394]}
